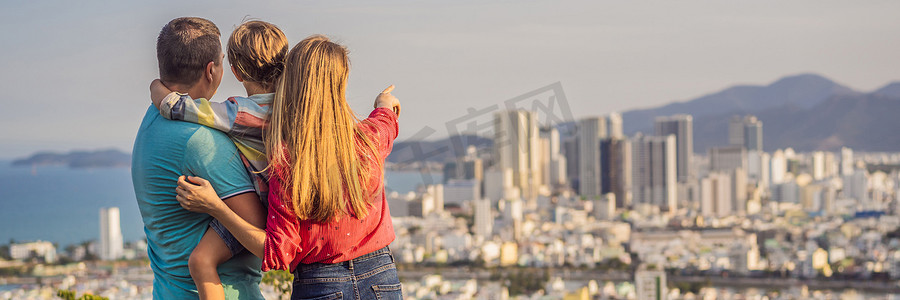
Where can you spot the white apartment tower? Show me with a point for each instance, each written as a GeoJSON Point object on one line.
{"type": "Point", "coordinates": [846, 161]}
{"type": "Point", "coordinates": [484, 218]}
{"type": "Point", "coordinates": [517, 147]}
{"type": "Point", "coordinates": [615, 125]}
{"type": "Point", "coordinates": [110, 234]}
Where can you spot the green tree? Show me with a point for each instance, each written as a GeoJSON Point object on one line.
{"type": "Point", "coordinates": [70, 295]}
{"type": "Point", "coordinates": [4, 252]}
{"type": "Point", "coordinates": [281, 280]}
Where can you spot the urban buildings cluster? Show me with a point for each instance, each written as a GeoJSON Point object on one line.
{"type": "Point", "coordinates": [623, 217]}
{"type": "Point", "coordinates": [585, 195]}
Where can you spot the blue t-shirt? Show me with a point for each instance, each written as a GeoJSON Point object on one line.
{"type": "Point", "coordinates": [164, 150]}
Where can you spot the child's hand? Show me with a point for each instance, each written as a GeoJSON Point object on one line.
{"type": "Point", "coordinates": [197, 195]}
{"type": "Point", "coordinates": [385, 99]}
{"type": "Point", "coordinates": [158, 92]}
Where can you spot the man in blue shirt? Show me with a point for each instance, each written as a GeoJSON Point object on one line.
{"type": "Point", "coordinates": [190, 61]}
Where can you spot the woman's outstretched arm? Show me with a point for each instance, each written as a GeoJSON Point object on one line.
{"type": "Point", "coordinates": [197, 195]}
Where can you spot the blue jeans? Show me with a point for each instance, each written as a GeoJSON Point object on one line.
{"type": "Point", "coordinates": [370, 276]}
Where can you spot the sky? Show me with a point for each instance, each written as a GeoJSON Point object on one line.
{"type": "Point", "coordinates": [75, 73]}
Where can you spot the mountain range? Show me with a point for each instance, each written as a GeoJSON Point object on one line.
{"type": "Point", "coordinates": [78, 159]}
{"type": "Point", "coordinates": [807, 112]}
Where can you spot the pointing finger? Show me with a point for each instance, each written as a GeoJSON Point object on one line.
{"type": "Point", "coordinates": [388, 90]}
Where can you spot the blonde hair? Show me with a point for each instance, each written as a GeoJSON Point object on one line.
{"type": "Point", "coordinates": [257, 49]}
{"type": "Point", "coordinates": [312, 135]}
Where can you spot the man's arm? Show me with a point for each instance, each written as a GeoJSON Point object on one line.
{"type": "Point", "coordinates": [197, 194]}
{"type": "Point", "coordinates": [212, 156]}
{"type": "Point", "coordinates": [249, 208]}
{"type": "Point", "coordinates": [247, 221]}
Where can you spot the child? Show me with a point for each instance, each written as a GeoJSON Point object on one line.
{"type": "Point", "coordinates": [256, 52]}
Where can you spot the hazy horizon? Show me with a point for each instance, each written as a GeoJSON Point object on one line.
{"type": "Point", "coordinates": [77, 73]}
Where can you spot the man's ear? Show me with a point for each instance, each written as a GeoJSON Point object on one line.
{"type": "Point", "coordinates": [210, 71]}
{"type": "Point", "coordinates": [236, 74]}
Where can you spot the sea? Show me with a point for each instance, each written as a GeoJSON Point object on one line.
{"type": "Point", "coordinates": [62, 205]}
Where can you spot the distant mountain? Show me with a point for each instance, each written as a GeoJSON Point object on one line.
{"type": "Point", "coordinates": [78, 159]}
{"type": "Point", "coordinates": [866, 122]}
{"type": "Point", "coordinates": [436, 151]}
{"type": "Point", "coordinates": [806, 112]}
{"type": "Point", "coordinates": [890, 90]}
{"type": "Point", "coordinates": [801, 91]}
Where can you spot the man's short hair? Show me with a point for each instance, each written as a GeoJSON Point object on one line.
{"type": "Point", "coordinates": [184, 47]}
{"type": "Point", "coordinates": [257, 50]}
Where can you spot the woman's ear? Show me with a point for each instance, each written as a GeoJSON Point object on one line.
{"type": "Point", "coordinates": [237, 75]}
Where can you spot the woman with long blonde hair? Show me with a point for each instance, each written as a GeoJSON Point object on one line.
{"type": "Point", "coordinates": [328, 220]}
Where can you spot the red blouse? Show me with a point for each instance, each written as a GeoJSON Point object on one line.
{"type": "Point", "coordinates": [291, 241]}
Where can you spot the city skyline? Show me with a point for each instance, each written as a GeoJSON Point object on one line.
{"type": "Point", "coordinates": [561, 150]}
{"type": "Point", "coordinates": [697, 226]}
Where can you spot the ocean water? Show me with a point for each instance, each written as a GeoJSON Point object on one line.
{"type": "Point", "coordinates": [62, 205]}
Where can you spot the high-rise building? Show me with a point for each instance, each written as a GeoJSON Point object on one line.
{"type": "Point", "coordinates": [512, 214]}
{"type": "Point", "coordinates": [746, 132]}
{"type": "Point", "coordinates": [615, 169]}
{"type": "Point", "coordinates": [590, 132]}
{"type": "Point", "coordinates": [570, 150]}
{"type": "Point", "coordinates": [818, 165]}
{"type": "Point", "coordinates": [739, 191]}
{"type": "Point", "coordinates": [484, 218]}
{"type": "Point", "coordinates": [736, 131]}
{"type": "Point", "coordinates": [758, 168]}
{"type": "Point", "coordinates": [846, 161]}
{"type": "Point", "coordinates": [498, 184]}
{"type": "Point", "coordinates": [786, 192]}
{"type": "Point", "coordinates": [553, 163]}
{"type": "Point", "coordinates": [653, 171]}
{"type": "Point", "coordinates": [744, 258]}
{"type": "Point", "coordinates": [111, 245]}
{"type": "Point", "coordinates": [516, 145]}
{"type": "Point", "coordinates": [615, 125]}
{"type": "Point", "coordinates": [727, 158]}
{"type": "Point", "coordinates": [715, 195]}
{"type": "Point", "coordinates": [753, 134]}
{"type": "Point", "coordinates": [777, 167]}
{"type": "Point", "coordinates": [682, 126]}
{"type": "Point", "coordinates": [469, 167]}
{"type": "Point", "coordinates": [558, 172]}
{"type": "Point", "coordinates": [430, 201]}
{"type": "Point", "coordinates": [856, 186]}
{"type": "Point", "coordinates": [458, 191]}
{"type": "Point", "coordinates": [605, 207]}
{"type": "Point", "coordinates": [436, 191]}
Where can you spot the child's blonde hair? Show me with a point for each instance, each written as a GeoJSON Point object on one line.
{"type": "Point", "coordinates": [256, 50]}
